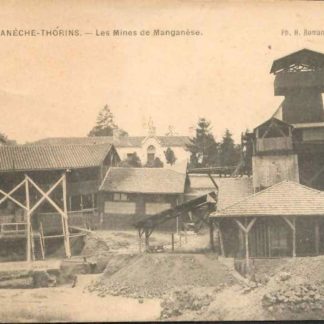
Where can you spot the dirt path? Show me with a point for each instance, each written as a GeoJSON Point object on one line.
{"type": "Point", "coordinates": [72, 304]}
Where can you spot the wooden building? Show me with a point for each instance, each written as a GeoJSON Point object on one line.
{"type": "Point", "coordinates": [290, 145]}
{"type": "Point", "coordinates": [128, 194]}
{"type": "Point", "coordinates": [286, 219]}
{"type": "Point", "coordinates": [274, 158]}
{"type": "Point", "coordinates": [44, 189]}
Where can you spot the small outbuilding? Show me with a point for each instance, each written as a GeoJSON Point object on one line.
{"type": "Point", "coordinates": [128, 194]}
{"type": "Point", "coordinates": [286, 219]}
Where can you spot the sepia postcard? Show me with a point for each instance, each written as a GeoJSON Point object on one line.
{"type": "Point", "coordinates": [161, 160]}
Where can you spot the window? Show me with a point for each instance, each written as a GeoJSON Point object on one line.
{"type": "Point", "coordinates": [151, 154]}
{"type": "Point", "coordinates": [120, 196]}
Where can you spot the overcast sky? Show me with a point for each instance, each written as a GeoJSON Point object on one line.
{"type": "Point", "coordinates": [55, 86]}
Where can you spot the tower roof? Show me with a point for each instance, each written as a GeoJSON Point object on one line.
{"type": "Point", "coordinates": [304, 56]}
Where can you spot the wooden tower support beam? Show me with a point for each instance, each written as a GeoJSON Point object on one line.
{"type": "Point", "coordinates": [28, 245]}
{"type": "Point", "coordinates": [65, 220]}
{"type": "Point", "coordinates": [62, 212]}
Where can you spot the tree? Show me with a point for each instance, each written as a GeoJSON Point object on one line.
{"type": "Point", "coordinates": [3, 138]}
{"type": "Point", "coordinates": [132, 161]}
{"type": "Point", "coordinates": [105, 125]}
{"type": "Point", "coordinates": [170, 156]}
{"type": "Point", "coordinates": [156, 163]}
{"type": "Point", "coordinates": [229, 152]}
{"type": "Point", "coordinates": [203, 147]}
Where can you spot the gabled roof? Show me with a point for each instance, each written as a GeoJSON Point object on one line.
{"type": "Point", "coordinates": [276, 120]}
{"type": "Point", "coordinates": [123, 141]}
{"type": "Point", "coordinates": [45, 157]}
{"type": "Point", "coordinates": [286, 198]}
{"type": "Point", "coordinates": [304, 56]}
{"type": "Point", "coordinates": [143, 180]}
{"type": "Point", "coordinates": [230, 190]}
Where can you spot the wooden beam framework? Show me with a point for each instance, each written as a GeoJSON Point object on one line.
{"type": "Point", "coordinates": [45, 196]}
{"type": "Point", "coordinates": [246, 229]}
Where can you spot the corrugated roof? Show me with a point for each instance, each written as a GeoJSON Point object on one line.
{"type": "Point", "coordinates": [124, 141]}
{"type": "Point", "coordinates": [44, 157]}
{"type": "Point", "coordinates": [286, 198]}
{"type": "Point", "coordinates": [143, 180]}
{"type": "Point", "coordinates": [230, 190]}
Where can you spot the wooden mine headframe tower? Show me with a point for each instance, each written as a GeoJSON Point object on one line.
{"type": "Point", "coordinates": [299, 77]}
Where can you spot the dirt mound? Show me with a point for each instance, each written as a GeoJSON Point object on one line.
{"type": "Point", "coordinates": [187, 300]}
{"type": "Point", "coordinates": [297, 290]}
{"type": "Point", "coordinates": [152, 275]}
{"type": "Point", "coordinates": [94, 245]}
{"type": "Point", "coordinates": [297, 299]}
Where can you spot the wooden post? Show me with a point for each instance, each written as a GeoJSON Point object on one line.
{"type": "Point", "coordinates": [211, 235]}
{"type": "Point", "coordinates": [139, 240]}
{"type": "Point", "coordinates": [81, 202]}
{"type": "Point", "coordinates": [28, 247]}
{"type": "Point", "coordinates": [294, 238]}
{"type": "Point", "coordinates": [247, 259]}
{"type": "Point", "coordinates": [42, 237]}
{"type": "Point", "coordinates": [317, 236]}
{"type": "Point", "coordinates": [93, 200]}
{"type": "Point", "coordinates": [147, 244]}
{"type": "Point", "coordinates": [292, 225]}
{"type": "Point", "coordinates": [172, 241]}
{"type": "Point", "coordinates": [246, 229]}
{"type": "Point", "coordinates": [65, 221]}
{"type": "Point", "coordinates": [221, 242]}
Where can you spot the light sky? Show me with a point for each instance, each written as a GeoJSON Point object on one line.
{"type": "Point", "coordinates": [55, 86]}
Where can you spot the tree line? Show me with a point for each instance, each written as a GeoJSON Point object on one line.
{"type": "Point", "coordinates": [205, 150]}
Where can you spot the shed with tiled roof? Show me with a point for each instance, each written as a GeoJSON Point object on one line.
{"type": "Point", "coordinates": [286, 219]}
{"type": "Point", "coordinates": [128, 194]}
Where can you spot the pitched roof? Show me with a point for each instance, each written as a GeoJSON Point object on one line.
{"type": "Point", "coordinates": [174, 140]}
{"type": "Point", "coordinates": [304, 56]}
{"type": "Point", "coordinates": [143, 180]}
{"type": "Point", "coordinates": [74, 140]}
{"type": "Point", "coordinates": [273, 120]}
{"type": "Point", "coordinates": [123, 141]}
{"type": "Point", "coordinates": [286, 198]}
{"type": "Point", "coordinates": [44, 157]}
{"type": "Point", "coordinates": [230, 190]}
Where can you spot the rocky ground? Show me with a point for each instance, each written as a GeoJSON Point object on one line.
{"type": "Point", "coordinates": [161, 286]}
{"type": "Point", "coordinates": [153, 275]}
